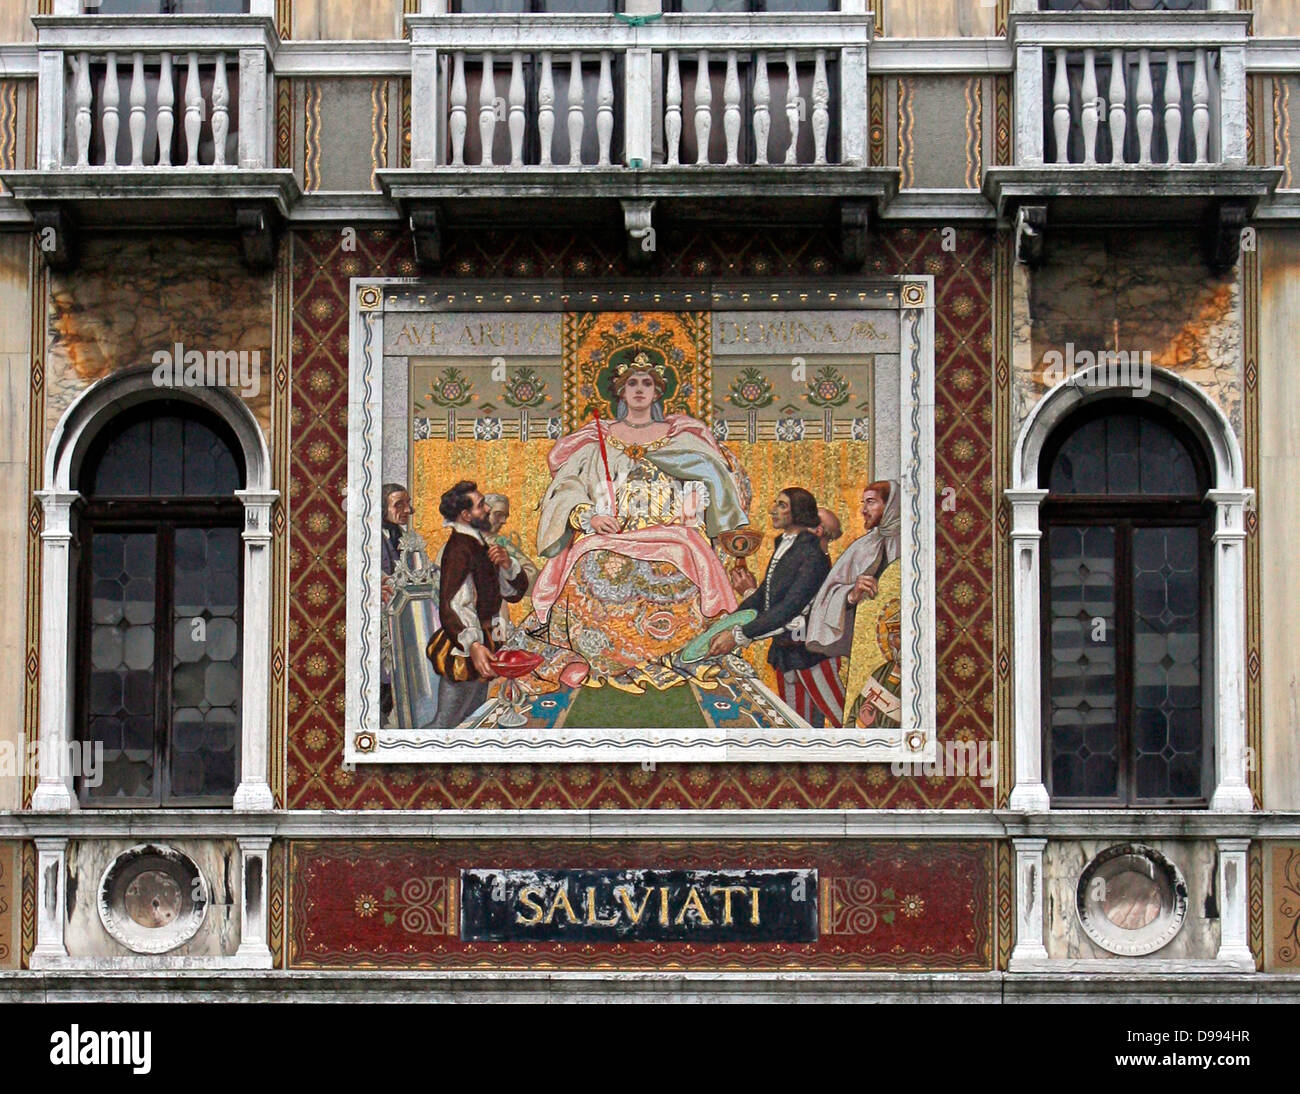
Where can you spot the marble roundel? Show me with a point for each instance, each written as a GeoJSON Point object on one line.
{"type": "Point", "coordinates": [1131, 900]}
{"type": "Point", "coordinates": [152, 898]}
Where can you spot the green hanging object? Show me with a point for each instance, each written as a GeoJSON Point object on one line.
{"type": "Point", "coordinates": [637, 20]}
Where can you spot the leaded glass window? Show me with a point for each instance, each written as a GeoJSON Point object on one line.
{"type": "Point", "coordinates": [159, 645]}
{"type": "Point", "coordinates": [1126, 663]}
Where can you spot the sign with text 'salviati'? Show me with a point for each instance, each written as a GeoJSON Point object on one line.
{"type": "Point", "coordinates": [639, 524]}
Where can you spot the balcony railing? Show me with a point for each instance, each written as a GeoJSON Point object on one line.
{"type": "Point", "coordinates": [164, 93]}
{"type": "Point", "coordinates": [590, 91]}
{"type": "Point", "coordinates": [1135, 106]}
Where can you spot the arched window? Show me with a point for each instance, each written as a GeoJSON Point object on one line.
{"type": "Point", "coordinates": [1126, 610]}
{"type": "Point", "coordinates": [160, 591]}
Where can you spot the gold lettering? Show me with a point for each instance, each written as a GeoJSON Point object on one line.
{"type": "Point", "coordinates": [410, 333]}
{"type": "Point", "coordinates": [753, 906]}
{"type": "Point", "coordinates": [663, 905]}
{"type": "Point", "coordinates": [693, 901]}
{"type": "Point", "coordinates": [591, 911]}
{"type": "Point", "coordinates": [528, 898]}
{"type": "Point", "coordinates": [726, 891]}
{"type": "Point", "coordinates": [625, 897]}
{"type": "Point", "coordinates": [562, 897]}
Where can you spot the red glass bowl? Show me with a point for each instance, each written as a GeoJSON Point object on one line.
{"type": "Point", "coordinates": [513, 664]}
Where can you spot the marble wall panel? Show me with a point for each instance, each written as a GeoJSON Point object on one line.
{"type": "Point", "coordinates": [1136, 291]}
{"type": "Point", "coordinates": [84, 933]}
{"type": "Point", "coordinates": [1063, 862]}
{"type": "Point", "coordinates": [938, 18]}
{"type": "Point", "coordinates": [346, 126]}
{"type": "Point", "coordinates": [1276, 17]}
{"type": "Point", "coordinates": [130, 297]}
{"type": "Point", "coordinates": [1279, 514]}
{"type": "Point", "coordinates": [16, 20]}
{"type": "Point", "coordinates": [347, 20]}
{"type": "Point", "coordinates": [10, 904]}
{"type": "Point", "coordinates": [15, 334]}
{"type": "Point", "coordinates": [940, 131]}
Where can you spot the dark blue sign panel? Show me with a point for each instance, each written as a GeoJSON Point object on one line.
{"type": "Point", "coordinates": [594, 905]}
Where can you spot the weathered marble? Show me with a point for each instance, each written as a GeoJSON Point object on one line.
{"type": "Point", "coordinates": [346, 19]}
{"type": "Point", "coordinates": [1137, 291]}
{"type": "Point", "coordinates": [84, 933]}
{"type": "Point", "coordinates": [1063, 862]}
{"type": "Point", "coordinates": [131, 297]}
{"type": "Point", "coordinates": [938, 18]}
{"type": "Point", "coordinates": [10, 903]}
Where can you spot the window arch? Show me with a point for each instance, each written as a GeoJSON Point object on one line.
{"type": "Point", "coordinates": [82, 454]}
{"type": "Point", "coordinates": [158, 644]}
{"type": "Point", "coordinates": [1205, 430]}
{"type": "Point", "coordinates": [1126, 612]}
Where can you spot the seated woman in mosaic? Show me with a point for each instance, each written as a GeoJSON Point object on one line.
{"type": "Point", "coordinates": [626, 527]}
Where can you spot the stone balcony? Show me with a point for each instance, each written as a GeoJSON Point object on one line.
{"type": "Point", "coordinates": [1130, 117]}
{"type": "Point", "coordinates": [158, 121]}
{"type": "Point", "coordinates": [543, 118]}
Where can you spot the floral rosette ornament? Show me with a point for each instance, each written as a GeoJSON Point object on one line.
{"type": "Point", "coordinates": [828, 388]}
{"type": "Point", "coordinates": [524, 389]}
{"type": "Point", "coordinates": [451, 388]}
{"type": "Point", "coordinates": [750, 390]}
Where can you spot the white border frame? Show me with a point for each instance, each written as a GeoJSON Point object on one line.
{"type": "Point", "coordinates": [1196, 409]}
{"type": "Point", "coordinates": [366, 742]}
{"type": "Point", "coordinates": [90, 412]}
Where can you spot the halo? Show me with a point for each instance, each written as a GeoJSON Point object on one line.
{"type": "Point", "coordinates": [624, 355]}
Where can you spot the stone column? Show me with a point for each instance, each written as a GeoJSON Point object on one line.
{"type": "Point", "coordinates": [1029, 952]}
{"type": "Point", "coordinates": [1028, 793]}
{"type": "Point", "coordinates": [1234, 899]}
{"type": "Point", "coordinates": [1231, 793]}
{"type": "Point", "coordinates": [50, 867]}
{"type": "Point", "coordinates": [54, 792]}
{"type": "Point", "coordinates": [253, 952]}
{"type": "Point", "coordinates": [254, 791]}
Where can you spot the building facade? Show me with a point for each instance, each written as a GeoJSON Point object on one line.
{"type": "Point", "coordinates": [1008, 289]}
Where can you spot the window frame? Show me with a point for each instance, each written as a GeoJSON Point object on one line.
{"type": "Point", "coordinates": [162, 515]}
{"type": "Point", "coordinates": [1126, 513]}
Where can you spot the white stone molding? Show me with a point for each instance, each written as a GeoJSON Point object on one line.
{"type": "Point", "coordinates": [76, 429]}
{"type": "Point", "coordinates": [1029, 949]}
{"type": "Point", "coordinates": [253, 952]}
{"type": "Point", "coordinates": [51, 862]}
{"type": "Point", "coordinates": [1234, 899]}
{"type": "Point", "coordinates": [1193, 407]}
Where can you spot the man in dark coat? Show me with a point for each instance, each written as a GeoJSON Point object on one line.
{"type": "Point", "coordinates": [796, 571]}
{"type": "Point", "coordinates": [476, 579]}
{"type": "Point", "coordinates": [397, 510]}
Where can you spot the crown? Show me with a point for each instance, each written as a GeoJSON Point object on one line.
{"type": "Point", "coordinates": [640, 363]}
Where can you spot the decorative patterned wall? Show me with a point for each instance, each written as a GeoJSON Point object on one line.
{"type": "Point", "coordinates": [312, 776]}
{"type": "Point", "coordinates": [880, 905]}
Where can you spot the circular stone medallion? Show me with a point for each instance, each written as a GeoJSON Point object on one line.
{"type": "Point", "coordinates": [152, 898]}
{"type": "Point", "coordinates": [1131, 900]}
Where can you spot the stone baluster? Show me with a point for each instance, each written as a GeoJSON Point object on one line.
{"type": "Point", "coordinates": [821, 102]}
{"type": "Point", "coordinates": [577, 119]}
{"type": "Point", "coordinates": [673, 110]}
{"type": "Point", "coordinates": [762, 108]}
{"type": "Point", "coordinates": [81, 123]}
{"type": "Point", "coordinates": [1173, 107]}
{"type": "Point", "coordinates": [166, 110]}
{"type": "Point", "coordinates": [487, 111]}
{"type": "Point", "coordinates": [136, 122]}
{"type": "Point", "coordinates": [1090, 108]}
{"type": "Point", "coordinates": [220, 112]}
{"type": "Point", "coordinates": [1061, 108]}
{"type": "Point", "coordinates": [193, 111]}
{"type": "Point", "coordinates": [703, 107]}
{"type": "Point", "coordinates": [1201, 107]}
{"type": "Point", "coordinates": [111, 118]}
{"type": "Point", "coordinates": [793, 105]}
{"type": "Point", "coordinates": [546, 109]}
{"type": "Point", "coordinates": [604, 109]}
{"type": "Point", "coordinates": [458, 121]}
{"type": "Point", "coordinates": [1146, 118]}
{"type": "Point", "coordinates": [516, 119]}
{"type": "Point", "coordinates": [1118, 107]}
{"type": "Point", "coordinates": [731, 110]}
